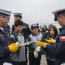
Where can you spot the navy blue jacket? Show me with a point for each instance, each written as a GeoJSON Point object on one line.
{"type": "Point", "coordinates": [58, 49]}
{"type": "Point", "coordinates": [7, 29]}
{"type": "Point", "coordinates": [4, 42]}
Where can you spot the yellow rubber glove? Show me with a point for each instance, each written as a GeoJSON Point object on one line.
{"type": "Point", "coordinates": [13, 47]}
{"type": "Point", "coordinates": [50, 40]}
{"type": "Point", "coordinates": [42, 44]}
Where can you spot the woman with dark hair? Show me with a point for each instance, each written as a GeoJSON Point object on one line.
{"type": "Point", "coordinates": [52, 33]}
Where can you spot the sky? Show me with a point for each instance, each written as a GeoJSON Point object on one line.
{"type": "Point", "coordinates": [33, 11]}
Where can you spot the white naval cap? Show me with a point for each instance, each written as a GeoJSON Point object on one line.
{"type": "Point", "coordinates": [57, 13]}
{"type": "Point", "coordinates": [17, 14]}
{"type": "Point", "coordinates": [5, 12]}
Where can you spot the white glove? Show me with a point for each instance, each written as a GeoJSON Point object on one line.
{"type": "Point", "coordinates": [35, 54]}
{"type": "Point", "coordinates": [63, 64]}
{"type": "Point", "coordinates": [38, 48]}
{"type": "Point", "coordinates": [17, 43]}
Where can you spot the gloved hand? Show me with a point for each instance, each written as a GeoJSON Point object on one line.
{"type": "Point", "coordinates": [37, 49]}
{"type": "Point", "coordinates": [50, 40]}
{"type": "Point", "coordinates": [36, 54]}
{"type": "Point", "coordinates": [17, 43]}
{"type": "Point", "coordinates": [13, 47]}
{"type": "Point", "coordinates": [42, 44]}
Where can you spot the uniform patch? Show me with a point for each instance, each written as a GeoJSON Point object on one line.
{"type": "Point", "coordinates": [62, 38]}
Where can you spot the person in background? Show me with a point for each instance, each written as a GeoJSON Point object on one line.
{"type": "Point", "coordinates": [34, 49]}
{"type": "Point", "coordinates": [47, 33]}
{"type": "Point", "coordinates": [58, 48]}
{"type": "Point", "coordinates": [53, 33]}
{"type": "Point", "coordinates": [6, 45]}
{"type": "Point", "coordinates": [16, 17]}
{"type": "Point", "coordinates": [18, 58]}
{"type": "Point", "coordinates": [43, 29]}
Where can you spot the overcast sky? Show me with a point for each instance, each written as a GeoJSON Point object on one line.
{"type": "Point", "coordinates": [33, 11]}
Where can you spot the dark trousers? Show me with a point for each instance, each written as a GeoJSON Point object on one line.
{"type": "Point", "coordinates": [3, 60]}
{"type": "Point", "coordinates": [33, 60]}
{"type": "Point", "coordinates": [1, 63]}
{"type": "Point", "coordinates": [19, 63]}
{"type": "Point", "coordinates": [50, 62]}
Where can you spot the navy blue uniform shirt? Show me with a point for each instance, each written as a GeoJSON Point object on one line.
{"type": "Point", "coordinates": [4, 42]}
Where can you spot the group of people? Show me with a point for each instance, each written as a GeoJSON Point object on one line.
{"type": "Point", "coordinates": [14, 44]}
